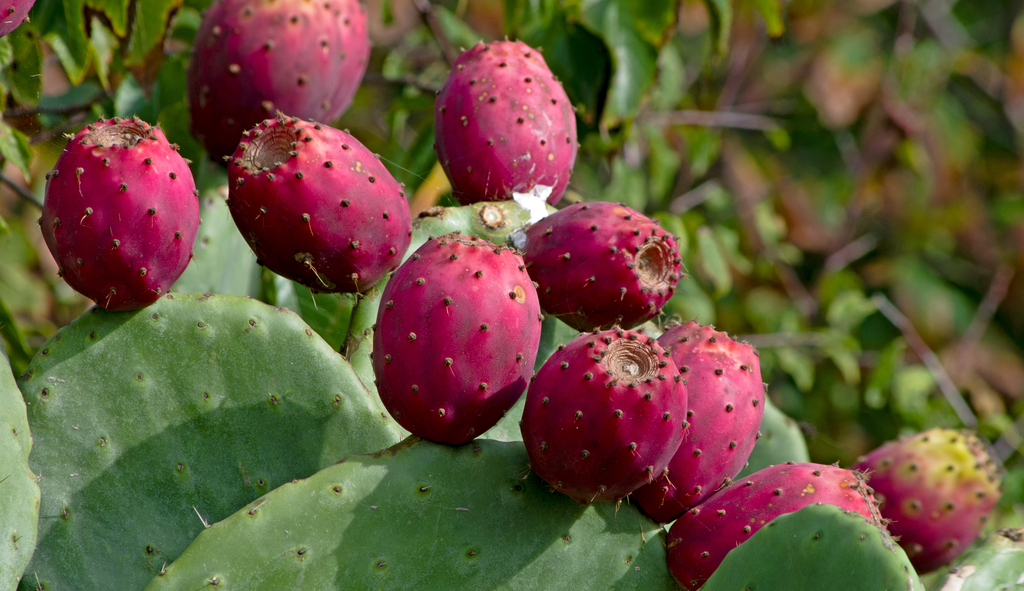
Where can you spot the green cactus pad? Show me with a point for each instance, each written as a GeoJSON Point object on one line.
{"type": "Point", "coordinates": [144, 421]}
{"type": "Point", "coordinates": [19, 491]}
{"type": "Point", "coordinates": [423, 515]}
{"type": "Point", "coordinates": [997, 563]}
{"type": "Point", "coordinates": [818, 547]}
{"type": "Point", "coordinates": [781, 441]}
{"type": "Point", "coordinates": [491, 220]}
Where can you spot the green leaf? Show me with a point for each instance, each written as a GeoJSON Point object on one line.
{"type": "Point", "coordinates": [654, 19]}
{"type": "Point", "coordinates": [628, 186]}
{"type": "Point", "coordinates": [771, 11]}
{"type": "Point", "coordinates": [711, 263]}
{"type": "Point", "coordinates": [14, 148]}
{"type": "Point", "coordinates": [844, 355]}
{"type": "Point", "coordinates": [634, 60]}
{"type": "Point", "coordinates": [20, 354]}
{"type": "Point", "coordinates": [798, 365]}
{"type": "Point", "coordinates": [889, 360]}
{"type": "Point", "coordinates": [22, 75]}
{"type": "Point", "coordinates": [151, 20]}
{"type": "Point", "coordinates": [720, 12]}
{"type": "Point", "coordinates": [848, 309]}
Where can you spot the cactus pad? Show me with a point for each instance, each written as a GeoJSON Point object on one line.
{"type": "Point", "coordinates": [425, 516]}
{"type": "Point", "coordinates": [997, 563]}
{"type": "Point", "coordinates": [145, 421]}
{"type": "Point", "coordinates": [19, 492]}
{"type": "Point", "coordinates": [818, 547]}
{"type": "Point", "coordinates": [781, 441]}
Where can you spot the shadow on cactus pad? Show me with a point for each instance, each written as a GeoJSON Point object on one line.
{"type": "Point", "coordinates": [423, 515]}
{"type": "Point", "coordinates": [147, 423]}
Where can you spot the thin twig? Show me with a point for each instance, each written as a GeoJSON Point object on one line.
{"type": "Point", "coordinates": [427, 12]}
{"type": "Point", "coordinates": [784, 339]}
{"type": "Point", "coordinates": [729, 119]}
{"type": "Point", "coordinates": [930, 360]}
{"type": "Point", "coordinates": [60, 110]}
{"type": "Point", "coordinates": [853, 251]}
{"type": "Point", "coordinates": [1010, 440]}
{"type": "Point", "coordinates": [693, 197]}
{"type": "Point", "coordinates": [20, 191]}
{"type": "Point", "coordinates": [964, 350]}
{"type": "Point", "coordinates": [408, 80]}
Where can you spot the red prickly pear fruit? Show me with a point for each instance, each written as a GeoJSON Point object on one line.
{"type": "Point", "coordinates": [504, 125]}
{"type": "Point", "coordinates": [456, 339]}
{"type": "Point", "coordinates": [725, 407]}
{"type": "Point", "coordinates": [602, 264]}
{"type": "Point", "coordinates": [604, 415]}
{"type": "Point", "coordinates": [12, 14]}
{"type": "Point", "coordinates": [316, 206]}
{"type": "Point", "coordinates": [699, 540]}
{"type": "Point", "coordinates": [937, 488]}
{"type": "Point", "coordinates": [121, 213]}
{"type": "Point", "coordinates": [253, 58]}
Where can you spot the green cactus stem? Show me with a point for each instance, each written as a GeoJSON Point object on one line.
{"type": "Point", "coordinates": [19, 490]}
{"type": "Point", "coordinates": [150, 424]}
{"type": "Point", "coordinates": [818, 547]}
{"type": "Point", "coordinates": [423, 515]}
{"type": "Point", "coordinates": [997, 563]}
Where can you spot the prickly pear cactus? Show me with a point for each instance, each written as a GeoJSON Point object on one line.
{"type": "Point", "coordinates": [998, 563]}
{"type": "Point", "coordinates": [149, 424]}
{"type": "Point", "coordinates": [425, 516]}
{"type": "Point", "coordinates": [19, 491]}
{"type": "Point", "coordinates": [781, 441]}
{"type": "Point", "coordinates": [819, 546]}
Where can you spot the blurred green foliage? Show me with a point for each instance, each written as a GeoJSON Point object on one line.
{"type": "Point", "coordinates": [846, 176]}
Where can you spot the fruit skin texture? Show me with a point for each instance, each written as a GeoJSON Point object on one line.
{"type": "Point", "coordinates": [600, 264]}
{"type": "Point", "coordinates": [13, 13]}
{"type": "Point", "coordinates": [699, 540]}
{"type": "Point", "coordinates": [121, 213]}
{"type": "Point", "coordinates": [604, 415]}
{"type": "Point", "coordinates": [252, 58]}
{"type": "Point", "coordinates": [504, 125]}
{"type": "Point", "coordinates": [456, 338]}
{"type": "Point", "coordinates": [938, 488]}
{"type": "Point", "coordinates": [326, 214]}
{"type": "Point", "coordinates": [725, 407]}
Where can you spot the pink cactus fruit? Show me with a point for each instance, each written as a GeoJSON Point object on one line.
{"type": "Point", "coordinates": [504, 125]}
{"type": "Point", "coordinates": [937, 488]}
{"type": "Point", "coordinates": [456, 339]}
{"type": "Point", "coordinates": [316, 206]}
{"type": "Point", "coordinates": [13, 13]}
{"type": "Point", "coordinates": [699, 540]}
{"type": "Point", "coordinates": [604, 415]}
{"type": "Point", "coordinates": [602, 264]}
{"type": "Point", "coordinates": [253, 58]}
{"type": "Point", "coordinates": [726, 403]}
{"type": "Point", "coordinates": [121, 213]}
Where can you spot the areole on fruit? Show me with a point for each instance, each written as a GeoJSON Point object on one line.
{"type": "Point", "coordinates": [269, 149]}
{"type": "Point", "coordinates": [123, 134]}
{"type": "Point", "coordinates": [654, 264]}
{"type": "Point", "coordinates": [631, 361]}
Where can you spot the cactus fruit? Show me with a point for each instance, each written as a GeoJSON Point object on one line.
{"type": "Point", "coordinates": [802, 550]}
{"type": "Point", "coordinates": [938, 488]}
{"type": "Point", "coordinates": [198, 401]}
{"type": "Point", "coordinates": [424, 516]}
{"type": "Point", "coordinates": [700, 539]}
{"type": "Point", "coordinates": [997, 563]}
{"type": "Point", "coordinates": [604, 415]}
{"type": "Point", "coordinates": [724, 409]}
{"type": "Point", "coordinates": [601, 264]}
{"type": "Point", "coordinates": [456, 338]}
{"type": "Point", "coordinates": [504, 125]}
{"type": "Point", "coordinates": [121, 213]}
{"type": "Point", "coordinates": [781, 441]}
{"type": "Point", "coordinates": [19, 490]}
{"type": "Point", "coordinates": [13, 13]}
{"type": "Point", "coordinates": [316, 206]}
{"type": "Point", "coordinates": [252, 58]}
